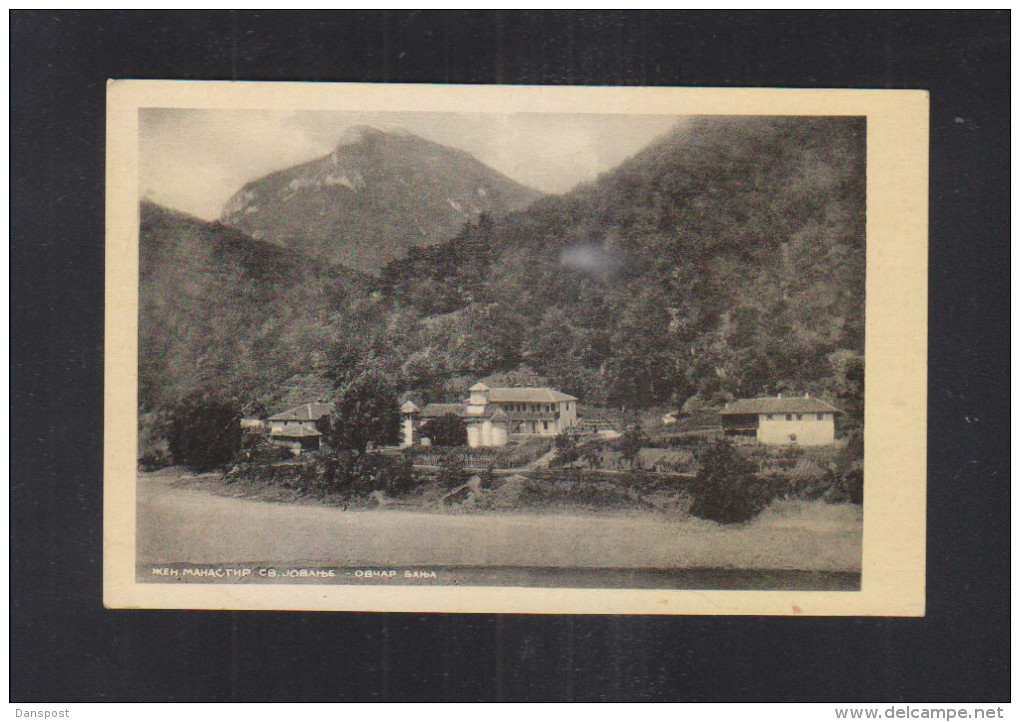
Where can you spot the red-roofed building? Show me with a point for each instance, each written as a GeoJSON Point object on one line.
{"type": "Point", "coordinates": [781, 420]}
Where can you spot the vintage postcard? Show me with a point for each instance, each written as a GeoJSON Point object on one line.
{"type": "Point", "coordinates": [515, 349]}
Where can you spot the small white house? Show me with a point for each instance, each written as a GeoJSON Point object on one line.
{"type": "Point", "coordinates": [779, 420]}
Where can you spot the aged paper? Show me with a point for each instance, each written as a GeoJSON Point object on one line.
{"type": "Point", "coordinates": [186, 540]}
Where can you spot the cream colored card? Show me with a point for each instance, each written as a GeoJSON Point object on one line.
{"type": "Point", "coordinates": [869, 562]}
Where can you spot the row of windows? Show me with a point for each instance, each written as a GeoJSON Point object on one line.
{"type": "Point", "coordinates": [789, 417]}
{"type": "Point", "coordinates": [549, 408]}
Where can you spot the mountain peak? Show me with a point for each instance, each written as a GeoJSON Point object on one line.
{"type": "Point", "coordinates": [378, 193]}
{"type": "Point", "coordinates": [358, 134]}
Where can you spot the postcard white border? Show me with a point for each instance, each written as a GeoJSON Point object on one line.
{"type": "Point", "coordinates": [893, 576]}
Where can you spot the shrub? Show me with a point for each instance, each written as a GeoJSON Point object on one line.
{"type": "Point", "coordinates": [154, 460]}
{"type": "Point", "coordinates": [361, 475]}
{"type": "Point", "coordinates": [675, 462]}
{"type": "Point", "coordinates": [205, 431]}
{"type": "Point", "coordinates": [153, 429]}
{"type": "Point", "coordinates": [334, 471]}
{"type": "Point", "coordinates": [591, 452]}
{"type": "Point", "coordinates": [631, 442]}
{"type": "Point", "coordinates": [853, 485]}
{"type": "Point", "coordinates": [390, 474]}
{"type": "Point", "coordinates": [727, 490]}
{"type": "Point", "coordinates": [453, 472]}
{"type": "Point", "coordinates": [525, 452]}
{"type": "Point", "coordinates": [566, 448]}
{"type": "Point", "coordinates": [806, 471]}
{"type": "Point", "coordinates": [257, 448]}
{"type": "Point", "coordinates": [487, 479]}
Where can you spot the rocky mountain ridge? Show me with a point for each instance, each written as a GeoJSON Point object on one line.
{"type": "Point", "coordinates": [375, 196]}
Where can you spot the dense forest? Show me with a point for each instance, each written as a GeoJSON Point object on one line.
{"type": "Point", "coordinates": [724, 260]}
{"type": "Point", "coordinates": [727, 259]}
{"type": "Point", "coordinates": [222, 312]}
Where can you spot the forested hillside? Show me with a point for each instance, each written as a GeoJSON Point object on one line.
{"type": "Point", "coordinates": [726, 259]}
{"type": "Point", "coordinates": [223, 312]}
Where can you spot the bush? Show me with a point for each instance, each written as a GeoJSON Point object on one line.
{"type": "Point", "coordinates": [335, 471]}
{"type": "Point", "coordinates": [566, 448]}
{"type": "Point", "coordinates": [205, 432]}
{"type": "Point", "coordinates": [258, 449]}
{"type": "Point", "coordinates": [360, 475]}
{"type": "Point", "coordinates": [390, 474]}
{"type": "Point", "coordinates": [806, 471]}
{"type": "Point", "coordinates": [511, 457]}
{"type": "Point", "coordinates": [153, 429]}
{"type": "Point", "coordinates": [727, 490]}
{"type": "Point", "coordinates": [675, 462]}
{"type": "Point", "coordinates": [154, 460]}
{"type": "Point", "coordinates": [631, 442]}
{"type": "Point", "coordinates": [487, 479]}
{"type": "Point", "coordinates": [853, 485]}
{"type": "Point", "coordinates": [453, 472]}
{"type": "Point", "coordinates": [591, 452]}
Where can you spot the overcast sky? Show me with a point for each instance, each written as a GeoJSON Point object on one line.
{"type": "Point", "coordinates": [194, 160]}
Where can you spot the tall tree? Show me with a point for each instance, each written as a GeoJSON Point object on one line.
{"type": "Point", "coordinates": [205, 431]}
{"type": "Point", "coordinates": [447, 430]}
{"type": "Point", "coordinates": [365, 412]}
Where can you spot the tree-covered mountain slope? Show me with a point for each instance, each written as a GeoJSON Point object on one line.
{"type": "Point", "coordinates": [725, 258]}
{"type": "Point", "coordinates": [219, 310]}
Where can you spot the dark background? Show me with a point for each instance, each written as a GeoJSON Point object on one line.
{"type": "Point", "coordinates": [66, 647]}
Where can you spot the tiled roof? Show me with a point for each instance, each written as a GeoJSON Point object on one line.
{"type": "Point", "coordinates": [777, 405]}
{"type": "Point", "coordinates": [409, 407]}
{"type": "Point", "coordinates": [536, 395]}
{"type": "Point", "coordinates": [304, 412]}
{"type": "Point", "coordinates": [436, 410]}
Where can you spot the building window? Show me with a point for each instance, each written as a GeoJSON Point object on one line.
{"type": "Point", "coordinates": [821, 417]}
{"type": "Point", "coordinates": [800, 417]}
{"type": "Point", "coordinates": [545, 426]}
{"type": "Point", "coordinates": [789, 417]}
{"type": "Point", "coordinates": [768, 416]}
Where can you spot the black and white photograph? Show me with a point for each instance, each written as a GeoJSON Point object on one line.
{"type": "Point", "coordinates": [503, 349]}
{"type": "Point", "coordinates": [544, 356]}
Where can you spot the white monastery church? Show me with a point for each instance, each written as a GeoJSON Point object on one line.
{"type": "Point", "coordinates": [494, 415]}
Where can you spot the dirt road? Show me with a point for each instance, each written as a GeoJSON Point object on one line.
{"type": "Point", "coordinates": [194, 526]}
